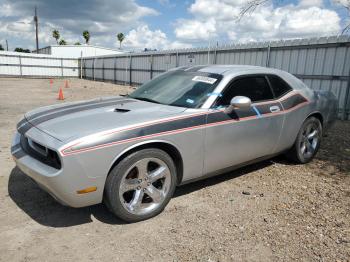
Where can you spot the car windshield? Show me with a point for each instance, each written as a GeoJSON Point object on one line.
{"type": "Point", "coordinates": [178, 88]}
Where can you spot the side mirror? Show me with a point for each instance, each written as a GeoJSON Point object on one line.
{"type": "Point", "coordinates": [239, 102]}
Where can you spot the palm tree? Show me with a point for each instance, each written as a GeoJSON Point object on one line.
{"type": "Point", "coordinates": [121, 38]}
{"type": "Point", "coordinates": [56, 35]}
{"type": "Point", "coordinates": [86, 35]}
{"type": "Point", "coordinates": [62, 42]}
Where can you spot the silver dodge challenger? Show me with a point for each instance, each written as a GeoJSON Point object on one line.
{"type": "Point", "coordinates": [189, 123]}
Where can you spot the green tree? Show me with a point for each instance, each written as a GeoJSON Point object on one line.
{"type": "Point", "coordinates": [62, 42]}
{"type": "Point", "coordinates": [86, 36]}
{"type": "Point", "coordinates": [77, 43]}
{"type": "Point", "coordinates": [56, 35]}
{"type": "Point", "coordinates": [121, 38]}
{"type": "Point", "coordinates": [21, 50]}
{"type": "Point", "coordinates": [1, 48]}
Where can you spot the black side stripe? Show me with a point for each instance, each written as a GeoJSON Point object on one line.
{"type": "Point", "coordinates": [145, 131]}
{"type": "Point", "coordinates": [179, 124]}
{"type": "Point", "coordinates": [293, 101]}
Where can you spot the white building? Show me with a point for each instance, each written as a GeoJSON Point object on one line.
{"type": "Point", "coordinates": [76, 51]}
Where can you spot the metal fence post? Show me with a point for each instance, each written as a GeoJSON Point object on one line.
{"type": "Point", "coordinates": [215, 54]}
{"type": "Point", "coordinates": [151, 66]}
{"type": "Point", "coordinates": [85, 69]}
{"type": "Point", "coordinates": [93, 69]}
{"type": "Point", "coordinates": [177, 59]}
{"type": "Point", "coordinates": [81, 65]}
{"type": "Point", "coordinates": [130, 80]}
{"type": "Point", "coordinates": [62, 67]}
{"type": "Point", "coordinates": [115, 71]}
{"type": "Point", "coordinates": [347, 98]}
{"type": "Point", "coordinates": [81, 68]}
{"type": "Point", "coordinates": [103, 69]}
{"type": "Point", "coordinates": [20, 65]}
{"type": "Point", "coordinates": [268, 56]}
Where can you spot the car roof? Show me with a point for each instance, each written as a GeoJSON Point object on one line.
{"type": "Point", "coordinates": [235, 70]}
{"type": "Point", "coordinates": [229, 69]}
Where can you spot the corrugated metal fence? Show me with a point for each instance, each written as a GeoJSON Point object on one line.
{"type": "Point", "coordinates": [322, 63]}
{"type": "Point", "coordinates": [36, 65]}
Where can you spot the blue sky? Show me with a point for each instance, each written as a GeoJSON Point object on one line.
{"type": "Point", "coordinates": [168, 24]}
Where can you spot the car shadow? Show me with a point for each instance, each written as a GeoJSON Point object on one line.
{"type": "Point", "coordinates": [44, 209]}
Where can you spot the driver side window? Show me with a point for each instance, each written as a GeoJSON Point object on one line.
{"type": "Point", "coordinates": [254, 87]}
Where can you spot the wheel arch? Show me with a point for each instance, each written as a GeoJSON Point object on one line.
{"type": "Point", "coordinates": [318, 115]}
{"type": "Point", "coordinates": [166, 146]}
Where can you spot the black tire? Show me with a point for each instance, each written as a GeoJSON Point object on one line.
{"type": "Point", "coordinates": [296, 152]}
{"type": "Point", "coordinates": [112, 197]}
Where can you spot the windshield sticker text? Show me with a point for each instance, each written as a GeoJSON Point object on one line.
{"type": "Point", "coordinates": [204, 79]}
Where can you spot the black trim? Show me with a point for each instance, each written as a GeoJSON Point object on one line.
{"type": "Point", "coordinates": [19, 154]}
{"type": "Point", "coordinates": [280, 78]}
{"type": "Point", "coordinates": [214, 105]}
{"type": "Point", "coordinates": [52, 159]}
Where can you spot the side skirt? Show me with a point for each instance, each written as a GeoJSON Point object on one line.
{"type": "Point", "coordinates": [231, 168]}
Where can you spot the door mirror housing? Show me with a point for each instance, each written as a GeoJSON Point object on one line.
{"type": "Point", "coordinates": [239, 102]}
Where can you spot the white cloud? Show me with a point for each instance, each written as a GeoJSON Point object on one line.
{"type": "Point", "coordinates": [142, 37]}
{"type": "Point", "coordinates": [196, 29]}
{"type": "Point", "coordinates": [71, 18]}
{"type": "Point", "coordinates": [219, 18]}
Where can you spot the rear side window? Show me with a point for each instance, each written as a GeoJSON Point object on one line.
{"type": "Point", "coordinates": [256, 88]}
{"type": "Point", "coordinates": [279, 86]}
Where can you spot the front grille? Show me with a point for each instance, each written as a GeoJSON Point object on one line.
{"type": "Point", "coordinates": [40, 152]}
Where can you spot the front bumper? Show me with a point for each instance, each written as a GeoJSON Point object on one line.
{"type": "Point", "coordinates": [62, 183]}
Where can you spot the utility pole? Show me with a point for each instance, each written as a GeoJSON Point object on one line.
{"type": "Point", "coordinates": [36, 31]}
{"type": "Point", "coordinates": [7, 45]}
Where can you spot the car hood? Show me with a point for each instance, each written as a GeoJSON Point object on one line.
{"type": "Point", "coordinates": [70, 121]}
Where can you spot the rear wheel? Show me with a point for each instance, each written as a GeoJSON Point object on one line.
{"type": "Point", "coordinates": [308, 141]}
{"type": "Point", "coordinates": [141, 185]}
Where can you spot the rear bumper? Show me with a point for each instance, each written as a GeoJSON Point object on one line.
{"type": "Point", "coordinates": [62, 184]}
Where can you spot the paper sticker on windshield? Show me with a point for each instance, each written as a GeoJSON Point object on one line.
{"type": "Point", "coordinates": [204, 79]}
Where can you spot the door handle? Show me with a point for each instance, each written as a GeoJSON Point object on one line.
{"type": "Point", "coordinates": [274, 109]}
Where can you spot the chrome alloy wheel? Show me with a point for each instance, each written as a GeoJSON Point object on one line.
{"type": "Point", "coordinates": [310, 139]}
{"type": "Point", "coordinates": [144, 186]}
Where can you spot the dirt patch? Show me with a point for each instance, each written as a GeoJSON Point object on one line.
{"type": "Point", "coordinates": [270, 211]}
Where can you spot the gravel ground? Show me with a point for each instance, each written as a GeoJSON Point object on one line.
{"type": "Point", "coordinates": [271, 211]}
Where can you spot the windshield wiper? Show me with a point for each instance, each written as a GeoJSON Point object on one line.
{"type": "Point", "coordinates": [146, 99]}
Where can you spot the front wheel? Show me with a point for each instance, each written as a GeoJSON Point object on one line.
{"type": "Point", "coordinates": [141, 185]}
{"type": "Point", "coordinates": [307, 142]}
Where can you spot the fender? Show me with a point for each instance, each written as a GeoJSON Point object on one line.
{"type": "Point", "coordinates": [142, 143]}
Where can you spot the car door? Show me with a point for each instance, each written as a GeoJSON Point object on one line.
{"type": "Point", "coordinates": [243, 135]}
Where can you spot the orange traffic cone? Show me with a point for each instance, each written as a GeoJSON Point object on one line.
{"type": "Point", "coordinates": [66, 84]}
{"type": "Point", "coordinates": [60, 94]}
